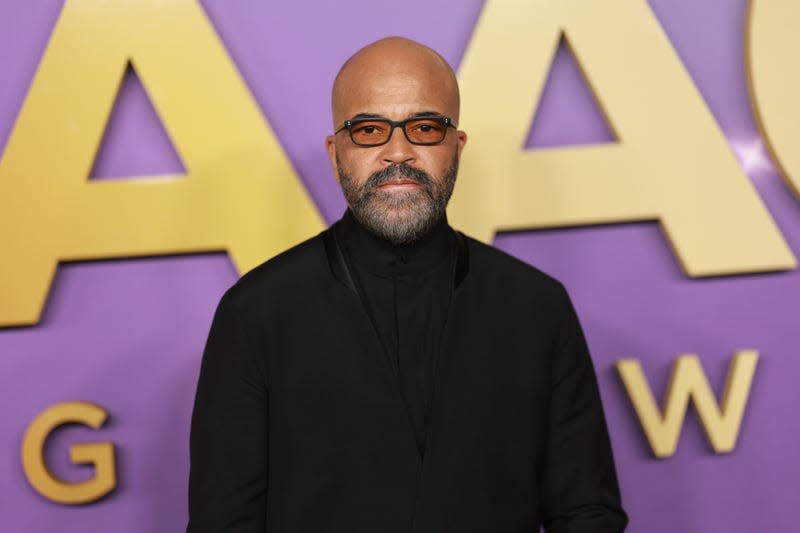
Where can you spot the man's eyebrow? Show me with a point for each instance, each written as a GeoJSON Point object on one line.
{"type": "Point", "coordinates": [413, 115]}
{"type": "Point", "coordinates": [367, 115]}
{"type": "Point", "coordinates": [426, 114]}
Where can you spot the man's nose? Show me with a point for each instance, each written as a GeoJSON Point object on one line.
{"type": "Point", "coordinates": [398, 149]}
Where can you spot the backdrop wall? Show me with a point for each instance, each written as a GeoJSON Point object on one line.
{"type": "Point", "coordinates": [126, 332]}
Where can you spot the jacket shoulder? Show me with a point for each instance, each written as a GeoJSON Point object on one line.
{"type": "Point", "coordinates": [289, 272]}
{"type": "Point", "coordinates": [488, 262]}
{"type": "Point", "coordinates": [513, 281]}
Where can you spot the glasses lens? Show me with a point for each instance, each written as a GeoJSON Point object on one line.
{"type": "Point", "coordinates": [370, 132]}
{"type": "Point", "coordinates": [425, 130]}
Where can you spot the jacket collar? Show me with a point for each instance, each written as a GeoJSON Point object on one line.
{"type": "Point", "coordinates": [341, 271]}
{"type": "Point", "coordinates": [367, 252]}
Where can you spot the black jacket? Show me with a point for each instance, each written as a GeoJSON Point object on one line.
{"type": "Point", "coordinates": [299, 424]}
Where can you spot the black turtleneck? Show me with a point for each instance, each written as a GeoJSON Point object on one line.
{"type": "Point", "coordinates": [406, 291]}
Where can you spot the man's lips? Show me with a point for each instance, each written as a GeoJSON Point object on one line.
{"type": "Point", "coordinates": [399, 183]}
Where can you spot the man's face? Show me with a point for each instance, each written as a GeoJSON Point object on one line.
{"type": "Point", "coordinates": [398, 190]}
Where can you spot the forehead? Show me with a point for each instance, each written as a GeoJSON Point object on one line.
{"type": "Point", "coordinates": [395, 96]}
{"type": "Point", "coordinates": [393, 92]}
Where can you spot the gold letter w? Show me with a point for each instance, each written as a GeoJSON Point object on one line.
{"type": "Point", "coordinates": [721, 425]}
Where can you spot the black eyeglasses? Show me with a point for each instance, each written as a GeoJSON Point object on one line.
{"type": "Point", "coordinates": [425, 130]}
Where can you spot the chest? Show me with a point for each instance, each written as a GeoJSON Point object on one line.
{"type": "Point", "coordinates": [488, 353]}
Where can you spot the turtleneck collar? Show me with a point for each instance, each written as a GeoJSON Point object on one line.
{"type": "Point", "coordinates": [376, 255]}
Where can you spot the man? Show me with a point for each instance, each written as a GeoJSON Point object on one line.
{"type": "Point", "coordinates": [392, 375]}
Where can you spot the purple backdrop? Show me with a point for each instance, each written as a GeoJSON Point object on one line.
{"type": "Point", "coordinates": [128, 334]}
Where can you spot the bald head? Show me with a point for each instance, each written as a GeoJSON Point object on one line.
{"type": "Point", "coordinates": [394, 71]}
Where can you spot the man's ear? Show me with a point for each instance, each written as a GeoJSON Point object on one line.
{"type": "Point", "coordinates": [462, 140]}
{"type": "Point", "coordinates": [330, 147]}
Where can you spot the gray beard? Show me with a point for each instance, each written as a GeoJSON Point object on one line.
{"type": "Point", "coordinates": [400, 217]}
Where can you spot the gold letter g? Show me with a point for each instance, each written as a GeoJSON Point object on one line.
{"type": "Point", "coordinates": [100, 454]}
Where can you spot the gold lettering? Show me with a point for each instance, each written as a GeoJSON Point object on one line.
{"type": "Point", "coordinates": [100, 454]}
{"type": "Point", "coordinates": [774, 81]}
{"type": "Point", "coordinates": [240, 195]}
{"type": "Point", "coordinates": [720, 422]}
{"type": "Point", "coordinates": [671, 164]}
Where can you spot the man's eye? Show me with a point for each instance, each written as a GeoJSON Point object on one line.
{"type": "Point", "coordinates": [368, 129]}
{"type": "Point", "coordinates": [425, 127]}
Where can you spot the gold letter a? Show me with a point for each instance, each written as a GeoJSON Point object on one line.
{"type": "Point", "coordinates": [240, 194]}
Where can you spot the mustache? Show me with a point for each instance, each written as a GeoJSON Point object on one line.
{"type": "Point", "coordinates": [396, 171]}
